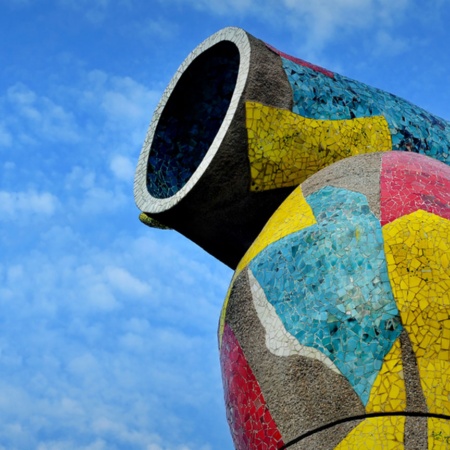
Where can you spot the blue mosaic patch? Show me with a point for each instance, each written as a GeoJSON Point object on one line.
{"type": "Point", "coordinates": [330, 287]}
{"type": "Point", "coordinates": [318, 96]}
{"type": "Point", "coordinates": [190, 121]}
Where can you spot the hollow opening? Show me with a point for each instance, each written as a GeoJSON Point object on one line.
{"type": "Point", "coordinates": [191, 119]}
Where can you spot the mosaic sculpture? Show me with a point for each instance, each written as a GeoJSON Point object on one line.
{"type": "Point", "coordinates": [331, 200]}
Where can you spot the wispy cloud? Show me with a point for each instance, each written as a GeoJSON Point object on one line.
{"type": "Point", "coordinates": [106, 114]}
{"type": "Point", "coordinates": [386, 44]}
{"type": "Point", "coordinates": [24, 205]}
{"type": "Point", "coordinates": [320, 23]}
{"type": "Point", "coordinates": [153, 29]}
{"type": "Point", "coordinates": [122, 105]}
{"type": "Point", "coordinates": [34, 117]}
{"type": "Point", "coordinates": [122, 167]}
{"type": "Point", "coordinates": [95, 314]}
{"type": "Point", "coordinates": [325, 21]}
{"type": "Point", "coordinates": [94, 11]}
{"type": "Point", "coordinates": [5, 136]}
{"type": "Point", "coordinates": [226, 7]}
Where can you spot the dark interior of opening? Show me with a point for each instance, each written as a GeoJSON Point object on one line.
{"type": "Point", "coordinates": [191, 119]}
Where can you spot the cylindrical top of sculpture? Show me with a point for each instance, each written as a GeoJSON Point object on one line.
{"type": "Point", "coordinates": [241, 124]}
{"type": "Point", "coordinates": [331, 200]}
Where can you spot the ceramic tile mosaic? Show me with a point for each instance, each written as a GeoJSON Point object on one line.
{"type": "Point", "coordinates": [320, 281]}
{"type": "Point", "coordinates": [188, 127]}
{"type": "Point", "coordinates": [282, 224]}
{"type": "Point", "coordinates": [278, 226]}
{"type": "Point", "coordinates": [285, 149]}
{"type": "Point", "coordinates": [305, 372]}
{"type": "Point", "coordinates": [279, 340]}
{"type": "Point", "coordinates": [370, 302]}
{"type": "Point", "coordinates": [251, 421]}
{"type": "Point", "coordinates": [418, 251]}
{"type": "Point", "coordinates": [333, 118]}
{"type": "Point", "coordinates": [376, 433]}
{"type": "Point", "coordinates": [319, 96]}
{"type": "Point", "coordinates": [438, 434]}
{"type": "Point", "coordinates": [409, 184]}
{"type": "Point", "coordinates": [388, 392]}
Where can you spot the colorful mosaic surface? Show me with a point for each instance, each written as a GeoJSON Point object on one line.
{"type": "Point", "coordinates": [252, 423]}
{"type": "Point", "coordinates": [364, 292]}
{"type": "Point", "coordinates": [333, 117]}
{"type": "Point", "coordinates": [319, 96]}
{"type": "Point", "coordinates": [334, 267]}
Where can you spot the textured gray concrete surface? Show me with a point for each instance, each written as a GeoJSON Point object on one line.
{"type": "Point", "coordinates": [301, 393]}
{"type": "Point", "coordinates": [361, 174]}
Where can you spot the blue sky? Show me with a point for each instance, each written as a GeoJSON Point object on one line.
{"type": "Point", "coordinates": [107, 327]}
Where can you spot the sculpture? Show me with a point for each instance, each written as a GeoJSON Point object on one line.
{"type": "Point", "coordinates": [331, 200]}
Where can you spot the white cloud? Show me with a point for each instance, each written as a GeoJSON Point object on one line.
{"type": "Point", "coordinates": [5, 136]}
{"type": "Point", "coordinates": [80, 178]}
{"type": "Point", "coordinates": [108, 114]}
{"type": "Point", "coordinates": [75, 366]}
{"type": "Point", "coordinates": [101, 200]}
{"type": "Point", "coordinates": [386, 44]}
{"type": "Point", "coordinates": [225, 7]}
{"type": "Point", "coordinates": [122, 167]}
{"type": "Point", "coordinates": [99, 296]}
{"type": "Point", "coordinates": [125, 282]}
{"type": "Point", "coordinates": [132, 342]}
{"type": "Point", "coordinates": [84, 365]}
{"type": "Point", "coordinates": [128, 107]}
{"type": "Point", "coordinates": [39, 117]}
{"type": "Point", "coordinates": [122, 100]}
{"type": "Point", "coordinates": [101, 119]}
{"type": "Point", "coordinates": [314, 23]}
{"type": "Point", "coordinates": [324, 22]}
{"type": "Point", "coordinates": [98, 444]}
{"type": "Point", "coordinates": [97, 317]}
{"type": "Point", "coordinates": [25, 205]}
{"type": "Point", "coordinates": [94, 11]}
{"type": "Point", "coordinates": [151, 28]}
{"type": "Point", "coordinates": [125, 100]}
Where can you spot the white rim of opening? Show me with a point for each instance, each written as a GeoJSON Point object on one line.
{"type": "Point", "coordinates": [144, 200]}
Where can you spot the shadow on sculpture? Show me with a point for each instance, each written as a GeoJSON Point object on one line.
{"type": "Point", "coordinates": [331, 200]}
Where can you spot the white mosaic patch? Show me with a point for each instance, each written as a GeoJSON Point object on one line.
{"type": "Point", "coordinates": [278, 340]}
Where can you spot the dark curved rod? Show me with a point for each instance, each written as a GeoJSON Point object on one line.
{"type": "Point", "coordinates": [362, 416]}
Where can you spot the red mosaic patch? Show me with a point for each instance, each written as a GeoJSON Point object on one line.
{"type": "Point", "coordinates": [251, 423]}
{"type": "Point", "coordinates": [302, 62]}
{"type": "Point", "coordinates": [410, 181]}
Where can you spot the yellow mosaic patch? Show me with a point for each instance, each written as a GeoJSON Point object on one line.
{"type": "Point", "coordinates": [293, 215]}
{"type": "Point", "coordinates": [438, 434]}
{"type": "Point", "coordinates": [284, 148]}
{"type": "Point", "coordinates": [417, 246]}
{"type": "Point", "coordinates": [388, 392]}
{"type": "Point", "coordinates": [376, 433]}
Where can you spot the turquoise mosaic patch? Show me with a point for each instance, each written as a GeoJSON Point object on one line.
{"type": "Point", "coordinates": [329, 285]}
{"type": "Point", "coordinates": [318, 96]}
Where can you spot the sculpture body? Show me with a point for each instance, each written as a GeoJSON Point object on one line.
{"type": "Point", "coordinates": [331, 200]}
